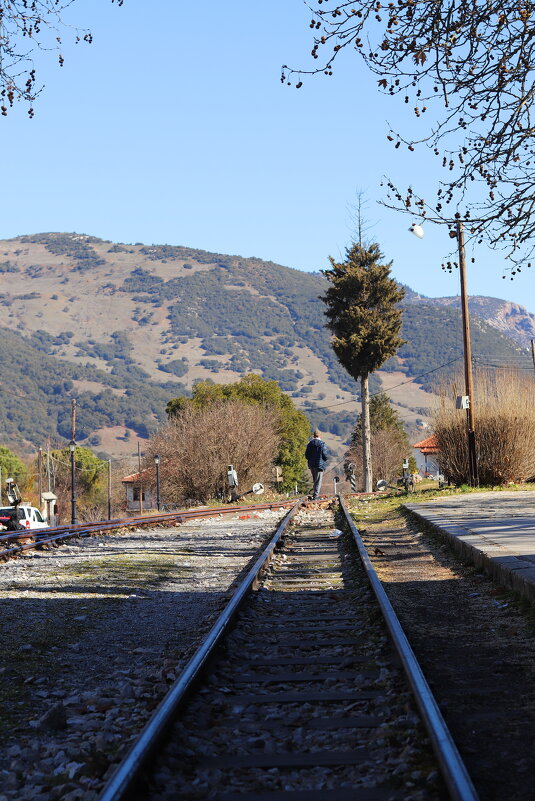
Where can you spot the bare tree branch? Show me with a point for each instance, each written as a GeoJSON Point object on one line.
{"type": "Point", "coordinates": [469, 66]}
{"type": "Point", "coordinates": [27, 26]}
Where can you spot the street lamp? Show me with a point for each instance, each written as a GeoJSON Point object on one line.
{"type": "Point", "coordinates": [157, 463]}
{"type": "Point", "coordinates": [418, 231]}
{"type": "Point", "coordinates": [72, 448]}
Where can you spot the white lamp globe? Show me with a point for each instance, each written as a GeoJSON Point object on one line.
{"type": "Point", "coordinates": [417, 230]}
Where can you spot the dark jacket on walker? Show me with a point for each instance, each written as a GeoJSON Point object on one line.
{"type": "Point", "coordinates": [316, 454]}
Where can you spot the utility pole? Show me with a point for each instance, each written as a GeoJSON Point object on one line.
{"type": "Point", "coordinates": [109, 489]}
{"type": "Point", "coordinates": [40, 475]}
{"type": "Point", "coordinates": [48, 463]}
{"type": "Point", "coordinates": [157, 463]}
{"type": "Point", "coordinates": [533, 352]}
{"type": "Point", "coordinates": [472, 457]}
{"type": "Point", "coordinates": [72, 448]}
{"type": "Point", "coordinates": [140, 479]}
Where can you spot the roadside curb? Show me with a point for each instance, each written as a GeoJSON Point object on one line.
{"type": "Point", "coordinates": [499, 562]}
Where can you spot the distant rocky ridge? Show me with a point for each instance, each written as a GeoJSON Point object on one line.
{"type": "Point", "coordinates": [126, 326]}
{"type": "Point", "coordinates": [511, 319]}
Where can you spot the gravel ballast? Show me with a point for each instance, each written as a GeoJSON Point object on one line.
{"type": "Point", "coordinates": [93, 634]}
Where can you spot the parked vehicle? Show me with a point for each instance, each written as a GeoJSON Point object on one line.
{"type": "Point", "coordinates": [28, 516]}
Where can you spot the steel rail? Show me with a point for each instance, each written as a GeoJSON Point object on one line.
{"type": "Point", "coordinates": [59, 533]}
{"type": "Point", "coordinates": [451, 764]}
{"type": "Point", "coordinates": [122, 782]}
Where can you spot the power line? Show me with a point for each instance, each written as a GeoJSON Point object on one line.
{"type": "Point", "coordinates": [503, 366]}
{"type": "Point", "coordinates": [388, 389]}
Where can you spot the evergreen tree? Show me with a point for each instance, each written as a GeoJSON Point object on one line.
{"type": "Point", "coordinates": [383, 417]}
{"type": "Point", "coordinates": [364, 317]}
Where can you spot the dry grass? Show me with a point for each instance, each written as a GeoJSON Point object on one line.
{"type": "Point", "coordinates": [504, 427]}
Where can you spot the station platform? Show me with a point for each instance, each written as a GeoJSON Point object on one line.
{"type": "Point", "coordinates": [494, 531]}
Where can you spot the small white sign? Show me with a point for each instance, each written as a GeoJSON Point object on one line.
{"type": "Point", "coordinates": [462, 402]}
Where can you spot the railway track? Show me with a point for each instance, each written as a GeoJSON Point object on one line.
{"type": "Point", "coordinates": [17, 542]}
{"type": "Point", "coordinates": [296, 693]}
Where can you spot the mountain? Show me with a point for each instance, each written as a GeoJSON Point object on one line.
{"type": "Point", "coordinates": [124, 328]}
{"type": "Point", "coordinates": [510, 319]}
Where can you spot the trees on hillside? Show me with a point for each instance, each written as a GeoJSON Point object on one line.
{"type": "Point", "coordinates": [12, 467]}
{"type": "Point", "coordinates": [90, 474]}
{"type": "Point", "coordinates": [26, 26]}
{"type": "Point", "coordinates": [364, 317]}
{"type": "Point", "coordinates": [292, 425]}
{"type": "Point", "coordinates": [466, 69]}
{"type": "Point", "coordinates": [389, 442]}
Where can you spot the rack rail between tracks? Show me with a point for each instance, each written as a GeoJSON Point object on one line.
{"type": "Point", "coordinates": [457, 780]}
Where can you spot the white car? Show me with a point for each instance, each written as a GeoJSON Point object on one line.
{"type": "Point", "coordinates": [28, 516]}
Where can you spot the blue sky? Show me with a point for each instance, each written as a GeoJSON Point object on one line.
{"type": "Point", "coordinates": [173, 128]}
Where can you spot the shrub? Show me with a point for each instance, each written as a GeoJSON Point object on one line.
{"type": "Point", "coordinates": [292, 425]}
{"type": "Point", "coordinates": [197, 446]}
{"type": "Point", "coordinates": [504, 428]}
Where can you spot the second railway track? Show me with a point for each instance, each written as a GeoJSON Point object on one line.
{"type": "Point", "coordinates": [305, 699]}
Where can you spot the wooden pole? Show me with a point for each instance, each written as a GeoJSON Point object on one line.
{"type": "Point", "coordinates": [72, 448]}
{"type": "Point", "coordinates": [366, 435]}
{"type": "Point", "coordinates": [470, 417]}
{"type": "Point", "coordinates": [40, 475]}
{"type": "Point", "coordinates": [109, 489]}
{"type": "Point", "coordinates": [48, 464]}
{"type": "Point", "coordinates": [140, 479]}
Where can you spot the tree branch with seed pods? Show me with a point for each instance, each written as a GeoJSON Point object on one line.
{"type": "Point", "coordinates": [27, 26]}
{"type": "Point", "coordinates": [468, 68]}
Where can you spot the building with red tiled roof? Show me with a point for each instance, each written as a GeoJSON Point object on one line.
{"type": "Point", "coordinates": [139, 483]}
{"type": "Point", "coordinates": [429, 447]}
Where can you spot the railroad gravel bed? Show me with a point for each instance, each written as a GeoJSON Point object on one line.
{"type": "Point", "coordinates": [94, 632]}
{"type": "Point", "coordinates": [476, 645]}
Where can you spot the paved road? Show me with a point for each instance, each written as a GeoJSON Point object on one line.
{"type": "Point", "coordinates": [494, 530]}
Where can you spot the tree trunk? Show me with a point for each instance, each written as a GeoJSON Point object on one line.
{"type": "Point", "coordinates": [366, 435]}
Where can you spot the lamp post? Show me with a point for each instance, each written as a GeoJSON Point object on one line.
{"type": "Point", "coordinates": [72, 448]}
{"type": "Point", "coordinates": [157, 463]}
{"type": "Point", "coordinates": [109, 489]}
{"type": "Point", "coordinates": [418, 231]}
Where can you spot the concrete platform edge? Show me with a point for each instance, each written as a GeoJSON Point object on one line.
{"type": "Point", "coordinates": [510, 571]}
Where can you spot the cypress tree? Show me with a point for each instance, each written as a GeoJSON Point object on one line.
{"type": "Point", "coordinates": [365, 319]}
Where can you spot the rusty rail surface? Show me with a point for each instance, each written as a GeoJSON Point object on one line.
{"type": "Point", "coordinates": [35, 538]}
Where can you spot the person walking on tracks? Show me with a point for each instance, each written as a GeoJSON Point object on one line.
{"type": "Point", "coordinates": [316, 455]}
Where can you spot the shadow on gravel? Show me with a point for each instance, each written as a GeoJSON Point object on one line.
{"type": "Point", "coordinates": [54, 645]}
{"type": "Point", "coordinates": [478, 656]}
